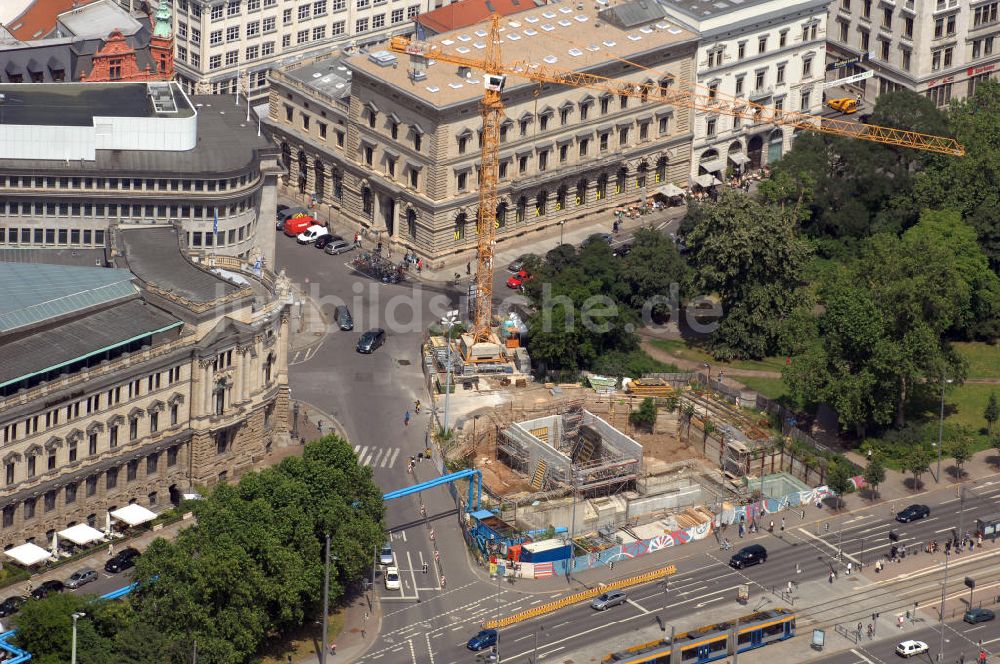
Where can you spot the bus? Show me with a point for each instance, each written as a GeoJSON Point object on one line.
{"type": "Point", "coordinates": [713, 642]}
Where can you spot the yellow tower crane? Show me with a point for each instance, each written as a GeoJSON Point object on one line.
{"type": "Point", "coordinates": [684, 95]}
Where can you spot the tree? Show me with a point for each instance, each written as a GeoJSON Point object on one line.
{"type": "Point", "coordinates": [645, 415]}
{"type": "Point", "coordinates": [45, 629]}
{"type": "Point", "coordinates": [918, 462]}
{"type": "Point", "coordinates": [707, 429]}
{"type": "Point", "coordinates": [749, 254]}
{"type": "Point", "coordinates": [874, 474]}
{"type": "Point", "coordinates": [969, 185]}
{"type": "Point", "coordinates": [838, 478]}
{"type": "Point", "coordinates": [961, 451]}
{"type": "Point", "coordinates": [688, 415]}
{"type": "Point", "coordinates": [977, 312]}
{"type": "Point", "coordinates": [652, 271]}
{"type": "Point", "coordinates": [883, 334]}
{"type": "Point", "coordinates": [992, 412]}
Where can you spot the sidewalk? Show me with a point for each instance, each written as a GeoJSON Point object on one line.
{"type": "Point", "coordinates": [528, 240]}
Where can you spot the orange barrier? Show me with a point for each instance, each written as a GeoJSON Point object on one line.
{"type": "Point", "coordinates": [583, 596]}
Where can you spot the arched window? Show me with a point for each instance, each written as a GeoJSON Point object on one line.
{"type": "Point", "coordinates": [219, 394]}
{"type": "Point", "coordinates": [540, 202]}
{"type": "Point", "coordinates": [372, 117]}
{"type": "Point", "coordinates": [367, 205]}
{"type": "Point", "coordinates": [501, 214]}
{"type": "Point", "coordinates": [286, 156]}
{"type": "Point", "coordinates": [460, 223]}
{"type": "Point", "coordinates": [411, 223]}
{"type": "Point", "coordinates": [620, 179]}
{"type": "Point", "coordinates": [640, 178]}
{"type": "Point", "coordinates": [601, 191]}
{"type": "Point", "coordinates": [561, 198]}
{"type": "Point", "coordinates": [319, 174]}
{"type": "Point", "coordinates": [268, 367]}
{"type": "Point", "coordinates": [661, 169]}
{"type": "Point", "coordinates": [522, 208]}
{"type": "Point", "coordinates": [581, 192]}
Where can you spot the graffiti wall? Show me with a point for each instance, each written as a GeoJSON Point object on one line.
{"type": "Point", "coordinates": [638, 548]}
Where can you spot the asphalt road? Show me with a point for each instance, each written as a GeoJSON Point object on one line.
{"type": "Point", "coordinates": [960, 639]}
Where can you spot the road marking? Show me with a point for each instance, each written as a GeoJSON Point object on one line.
{"type": "Point", "coordinates": [975, 628]}
{"type": "Point", "coordinates": [403, 533]}
{"type": "Point", "coordinates": [944, 530]}
{"type": "Point", "coordinates": [708, 601]}
{"type": "Point", "coordinates": [835, 550]}
{"type": "Point", "coordinates": [950, 500]}
{"type": "Point", "coordinates": [430, 650]}
{"type": "Point", "coordinates": [356, 448]}
{"type": "Point", "coordinates": [862, 656]}
{"type": "Point", "coordinates": [991, 641]}
{"type": "Point", "coordinates": [638, 606]}
{"type": "Point", "coordinates": [361, 454]}
{"type": "Point", "coordinates": [386, 461]}
{"type": "Point", "coordinates": [413, 653]}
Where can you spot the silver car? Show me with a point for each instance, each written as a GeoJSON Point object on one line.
{"type": "Point", "coordinates": [338, 247]}
{"type": "Point", "coordinates": [385, 557]}
{"type": "Point", "coordinates": [81, 577]}
{"type": "Point", "coordinates": [609, 599]}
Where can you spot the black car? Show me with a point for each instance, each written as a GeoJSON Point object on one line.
{"type": "Point", "coordinates": [913, 513]}
{"type": "Point", "coordinates": [284, 212]}
{"type": "Point", "coordinates": [973, 616]}
{"type": "Point", "coordinates": [47, 588]}
{"type": "Point", "coordinates": [748, 556]}
{"type": "Point", "coordinates": [324, 240]}
{"type": "Point", "coordinates": [123, 560]}
{"type": "Point", "coordinates": [622, 250]}
{"type": "Point", "coordinates": [11, 605]}
{"type": "Point", "coordinates": [343, 317]}
{"type": "Point", "coordinates": [371, 340]}
{"type": "Point", "coordinates": [598, 237]}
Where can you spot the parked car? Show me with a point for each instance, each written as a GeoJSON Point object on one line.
{"type": "Point", "coordinates": [609, 599]}
{"type": "Point", "coordinates": [385, 556]}
{"type": "Point", "coordinates": [11, 605]}
{"type": "Point", "coordinates": [973, 616]}
{"type": "Point", "coordinates": [123, 560]}
{"type": "Point", "coordinates": [913, 513]}
{"type": "Point", "coordinates": [748, 556]}
{"type": "Point", "coordinates": [81, 577]}
{"type": "Point", "coordinates": [47, 588]}
{"type": "Point", "coordinates": [323, 240]}
{"type": "Point", "coordinates": [597, 237]}
{"type": "Point", "coordinates": [371, 340]}
{"type": "Point", "coordinates": [911, 648]}
{"type": "Point", "coordinates": [338, 247]}
{"type": "Point", "coordinates": [391, 578]}
{"type": "Point", "coordinates": [622, 250]}
{"type": "Point", "coordinates": [311, 234]}
{"type": "Point", "coordinates": [285, 213]}
{"type": "Point", "coordinates": [518, 279]}
{"type": "Point", "coordinates": [344, 320]}
{"type": "Point", "coordinates": [484, 639]}
{"type": "Point", "coordinates": [295, 225]}
{"type": "Point", "coordinates": [518, 263]}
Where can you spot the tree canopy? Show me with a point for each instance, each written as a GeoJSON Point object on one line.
{"type": "Point", "coordinates": [749, 254]}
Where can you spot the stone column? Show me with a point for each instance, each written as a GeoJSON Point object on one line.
{"type": "Point", "coordinates": [247, 369]}
{"type": "Point", "coordinates": [207, 390]}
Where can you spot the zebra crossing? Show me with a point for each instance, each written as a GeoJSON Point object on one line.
{"type": "Point", "coordinates": [376, 457]}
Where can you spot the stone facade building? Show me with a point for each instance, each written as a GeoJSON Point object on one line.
{"type": "Point", "coordinates": [397, 151]}
{"type": "Point", "coordinates": [76, 158]}
{"type": "Point", "coordinates": [771, 52]}
{"type": "Point", "coordinates": [132, 384]}
{"type": "Point", "coordinates": [939, 48]}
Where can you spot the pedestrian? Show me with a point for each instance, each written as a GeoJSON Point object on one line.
{"type": "Point", "coordinates": [468, 269]}
{"type": "Point", "coordinates": [420, 265]}
{"type": "Point", "coordinates": [111, 549]}
{"type": "Point", "coordinates": [798, 569]}
{"type": "Point", "coordinates": [899, 621]}
{"type": "Point", "coordinates": [831, 577]}
{"type": "Point", "coordinates": [827, 526]}
{"type": "Point", "coordinates": [789, 588]}
{"type": "Point", "coordinates": [406, 418]}
{"type": "Point", "coordinates": [871, 632]}
{"type": "Point", "coordinates": [850, 566]}
{"type": "Point", "coordinates": [770, 527]}
{"type": "Point", "coordinates": [333, 648]}
{"type": "Point", "coordinates": [782, 524]}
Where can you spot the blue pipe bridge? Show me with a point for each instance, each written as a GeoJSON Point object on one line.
{"type": "Point", "coordinates": [474, 476]}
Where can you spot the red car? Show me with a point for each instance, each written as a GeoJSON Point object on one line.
{"type": "Point", "coordinates": [518, 279]}
{"type": "Point", "coordinates": [296, 225]}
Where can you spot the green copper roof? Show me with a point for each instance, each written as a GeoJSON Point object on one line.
{"type": "Point", "coordinates": [162, 27]}
{"type": "Point", "coordinates": [36, 292]}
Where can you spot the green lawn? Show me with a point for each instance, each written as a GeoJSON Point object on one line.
{"type": "Point", "coordinates": [772, 388]}
{"type": "Point", "coordinates": [983, 358]}
{"type": "Point", "coordinates": [964, 406]}
{"type": "Point", "coordinates": [689, 351]}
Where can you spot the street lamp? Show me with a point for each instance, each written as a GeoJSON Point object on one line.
{"type": "Point", "coordinates": [944, 587]}
{"type": "Point", "coordinates": [76, 616]}
{"type": "Point", "coordinates": [326, 599]}
{"type": "Point", "coordinates": [448, 322]}
{"type": "Point", "coordinates": [664, 587]}
{"type": "Point", "coordinates": [561, 225]}
{"type": "Point", "coordinates": [937, 478]}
